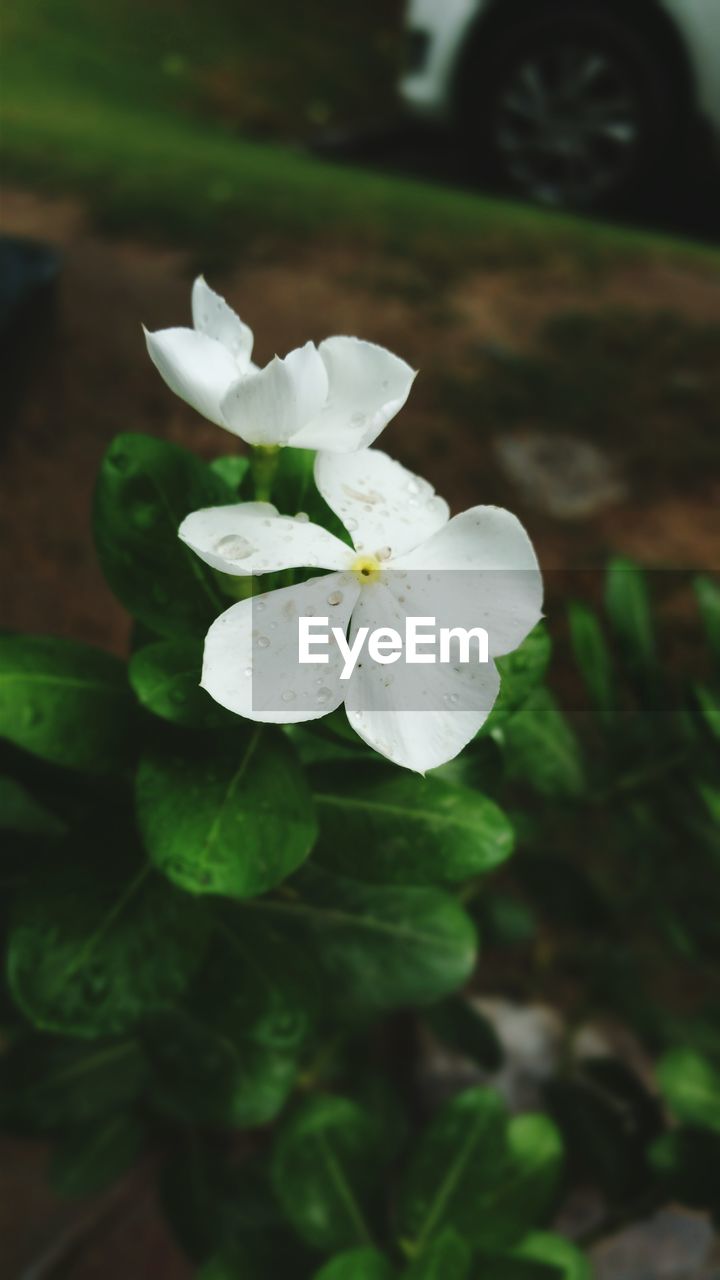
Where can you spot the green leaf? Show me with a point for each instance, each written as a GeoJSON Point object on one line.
{"type": "Point", "coordinates": [709, 705]}
{"type": "Point", "coordinates": [544, 1246]}
{"type": "Point", "coordinates": [46, 1083]}
{"type": "Point", "coordinates": [447, 1257]}
{"type": "Point", "coordinates": [525, 668]}
{"type": "Point", "coordinates": [398, 828]}
{"type": "Point", "coordinates": [357, 1264]}
{"type": "Point", "coordinates": [91, 959]}
{"type": "Point", "coordinates": [541, 748]}
{"type": "Point", "coordinates": [324, 1169]}
{"type": "Point", "coordinates": [92, 1158]}
{"type": "Point", "coordinates": [145, 489]}
{"type": "Point", "coordinates": [628, 607]}
{"type": "Point", "coordinates": [233, 818]}
{"type": "Point", "coordinates": [466, 1031]}
{"type": "Point", "coordinates": [707, 594]}
{"type": "Point", "coordinates": [207, 1072]}
{"type": "Point", "coordinates": [65, 702]}
{"type": "Point", "coordinates": [232, 469]}
{"type": "Point", "coordinates": [593, 658]}
{"type": "Point", "coordinates": [487, 1177]}
{"type": "Point", "coordinates": [294, 490]}
{"type": "Point", "coordinates": [21, 812]}
{"type": "Point", "coordinates": [455, 1159]}
{"type": "Point", "coordinates": [691, 1086]}
{"type": "Point", "coordinates": [229, 1054]}
{"type": "Point", "coordinates": [166, 680]}
{"type": "Point", "coordinates": [377, 947]}
{"type": "Point", "coordinates": [521, 672]}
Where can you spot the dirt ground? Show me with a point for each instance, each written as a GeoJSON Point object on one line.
{"type": "Point", "coordinates": [93, 379]}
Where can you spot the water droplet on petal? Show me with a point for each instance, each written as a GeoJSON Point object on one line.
{"type": "Point", "coordinates": [384, 553]}
{"type": "Point", "coordinates": [247, 671]}
{"type": "Point", "coordinates": [302, 517]}
{"type": "Point", "coordinates": [263, 642]}
{"type": "Point", "coordinates": [335, 597]}
{"type": "Point", "coordinates": [351, 524]}
{"type": "Point", "coordinates": [451, 699]}
{"type": "Point", "coordinates": [234, 547]}
{"type": "Point", "coordinates": [288, 696]}
{"type": "Point", "coordinates": [323, 695]}
{"type": "Point", "coordinates": [413, 486]}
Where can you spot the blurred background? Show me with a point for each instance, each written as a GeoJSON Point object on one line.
{"type": "Point", "coordinates": [522, 206]}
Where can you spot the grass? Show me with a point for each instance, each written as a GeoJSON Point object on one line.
{"type": "Point", "coordinates": [136, 108]}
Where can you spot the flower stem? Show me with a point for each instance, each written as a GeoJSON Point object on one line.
{"type": "Point", "coordinates": [264, 461]}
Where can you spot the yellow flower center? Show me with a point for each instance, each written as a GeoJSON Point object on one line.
{"type": "Point", "coordinates": [366, 568]}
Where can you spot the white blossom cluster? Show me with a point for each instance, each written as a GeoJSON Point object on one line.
{"type": "Point", "coordinates": [336, 398]}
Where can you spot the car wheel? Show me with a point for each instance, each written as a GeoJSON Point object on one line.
{"type": "Point", "coordinates": [571, 110]}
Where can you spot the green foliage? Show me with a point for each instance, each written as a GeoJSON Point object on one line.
{"type": "Point", "coordinates": [238, 947]}
{"type": "Point", "coordinates": [593, 658]}
{"type": "Point", "coordinates": [92, 958]}
{"type": "Point", "coordinates": [357, 1264]}
{"type": "Point", "coordinates": [540, 1256]}
{"type": "Point", "coordinates": [544, 1247]}
{"type": "Point", "coordinates": [488, 1177]}
{"type": "Point", "coordinates": [228, 1054]}
{"type": "Point", "coordinates": [166, 680]}
{"type": "Point", "coordinates": [232, 470]}
{"type": "Point", "coordinates": [324, 1170]}
{"type": "Point", "coordinates": [542, 749]}
{"type": "Point", "coordinates": [628, 607]}
{"type": "Point", "coordinates": [234, 817]}
{"type": "Point", "coordinates": [403, 829]}
{"type": "Point", "coordinates": [65, 703]}
{"type": "Point", "coordinates": [376, 946]}
{"type": "Point", "coordinates": [21, 812]}
{"type": "Point", "coordinates": [48, 1083]}
{"type": "Point", "coordinates": [691, 1085]}
{"type": "Point", "coordinates": [447, 1257]}
{"type": "Point", "coordinates": [90, 1159]}
{"type": "Point", "coordinates": [707, 591]}
{"type": "Point", "coordinates": [144, 490]}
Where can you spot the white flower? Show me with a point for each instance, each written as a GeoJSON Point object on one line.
{"type": "Point", "coordinates": [405, 546]}
{"type": "Point", "coordinates": [337, 396]}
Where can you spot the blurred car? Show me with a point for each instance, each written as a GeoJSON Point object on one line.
{"type": "Point", "coordinates": [574, 103]}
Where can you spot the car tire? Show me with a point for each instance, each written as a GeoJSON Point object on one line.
{"type": "Point", "coordinates": [569, 108]}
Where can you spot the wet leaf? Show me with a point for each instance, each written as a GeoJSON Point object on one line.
{"type": "Point", "coordinates": [65, 702]}
{"type": "Point", "coordinates": [234, 817]}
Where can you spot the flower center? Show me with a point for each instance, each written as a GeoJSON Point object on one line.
{"type": "Point", "coordinates": [365, 568]}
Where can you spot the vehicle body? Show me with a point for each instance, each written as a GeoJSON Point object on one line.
{"type": "Point", "coordinates": [572, 102]}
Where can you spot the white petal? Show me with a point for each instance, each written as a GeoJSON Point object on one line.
{"type": "Point", "coordinates": [194, 366]}
{"type": "Point", "coordinates": [250, 664]}
{"type": "Point", "coordinates": [270, 406]}
{"type": "Point", "coordinates": [212, 315]}
{"type": "Point", "coordinates": [383, 701]}
{"type": "Point", "coordinates": [380, 503]}
{"type": "Point", "coordinates": [251, 537]}
{"type": "Point", "coordinates": [367, 386]}
{"type": "Point", "coordinates": [479, 570]}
